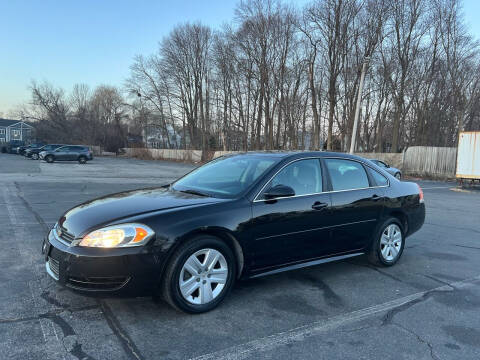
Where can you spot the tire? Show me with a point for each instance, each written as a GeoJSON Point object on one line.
{"type": "Point", "coordinates": [35, 156]}
{"type": "Point", "coordinates": [82, 160]}
{"type": "Point", "coordinates": [398, 176]}
{"type": "Point", "coordinates": [386, 250]}
{"type": "Point", "coordinates": [49, 159]}
{"type": "Point", "coordinates": [177, 271]}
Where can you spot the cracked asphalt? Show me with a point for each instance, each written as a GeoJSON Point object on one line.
{"type": "Point", "coordinates": [425, 307]}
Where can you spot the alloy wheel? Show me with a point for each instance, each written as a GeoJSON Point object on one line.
{"type": "Point", "coordinates": [391, 242]}
{"type": "Point", "coordinates": [398, 176]}
{"type": "Point", "coordinates": [203, 276]}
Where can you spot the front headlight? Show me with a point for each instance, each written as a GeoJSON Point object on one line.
{"type": "Point", "coordinates": [115, 236]}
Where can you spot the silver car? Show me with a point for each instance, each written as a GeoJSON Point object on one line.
{"type": "Point", "coordinates": [394, 171]}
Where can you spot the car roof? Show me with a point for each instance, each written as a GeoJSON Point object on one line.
{"type": "Point", "coordinates": [299, 154]}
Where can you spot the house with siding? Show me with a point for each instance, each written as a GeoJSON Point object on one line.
{"type": "Point", "coordinates": [14, 130]}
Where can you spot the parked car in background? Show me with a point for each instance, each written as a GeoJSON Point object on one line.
{"type": "Point", "coordinates": [12, 146]}
{"type": "Point", "coordinates": [33, 153]}
{"type": "Point", "coordinates": [78, 153]}
{"type": "Point", "coordinates": [21, 150]}
{"type": "Point", "coordinates": [239, 216]}
{"type": "Point", "coordinates": [390, 169]}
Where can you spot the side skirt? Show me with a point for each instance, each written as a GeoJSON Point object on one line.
{"type": "Point", "coordinates": [306, 264]}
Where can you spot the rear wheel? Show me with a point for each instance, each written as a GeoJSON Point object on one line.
{"type": "Point", "coordinates": [35, 156]}
{"type": "Point", "coordinates": [199, 275]}
{"type": "Point", "coordinates": [82, 159]}
{"type": "Point", "coordinates": [388, 243]}
{"type": "Point", "coordinates": [398, 176]}
{"type": "Point", "coordinates": [49, 159]}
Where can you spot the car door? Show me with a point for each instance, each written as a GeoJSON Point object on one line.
{"type": "Point", "coordinates": [61, 153]}
{"type": "Point", "coordinates": [357, 204]}
{"type": "Point", "coordinates": [291, 229]}
{"type": "Point", "coordinates": [72, 153]}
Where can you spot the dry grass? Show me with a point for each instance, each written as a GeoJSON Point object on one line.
{"type": "Point", "coordinates": [142, 153]}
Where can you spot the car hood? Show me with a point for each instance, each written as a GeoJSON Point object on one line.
{"type": "Point", "coordinates": [98, 212]}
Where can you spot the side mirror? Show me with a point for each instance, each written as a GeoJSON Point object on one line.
{"type": "Point", "coordinates": [279, 191]}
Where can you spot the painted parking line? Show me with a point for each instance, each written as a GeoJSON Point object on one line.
{"type": "Point", "coordinates": [298, 334]}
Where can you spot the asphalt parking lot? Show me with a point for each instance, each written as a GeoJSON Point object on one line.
{"type": "Point", "coordinates": [425, 307]}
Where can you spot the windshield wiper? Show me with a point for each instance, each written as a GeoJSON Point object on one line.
{"type": "Point", "coordinates": [195, 192]}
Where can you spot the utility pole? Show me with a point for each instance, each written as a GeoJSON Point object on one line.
{"type": "Point", "coordinates": [357, 108]}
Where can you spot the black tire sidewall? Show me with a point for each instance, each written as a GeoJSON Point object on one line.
{"type": "Point", "coordinates": [179, 259]}
{"type": "Point", "coordinates": [376, 243]}
{"type": "Point", "coordinates": [49, 159]}
{"type": "Point", "coordinates": [82, 160]}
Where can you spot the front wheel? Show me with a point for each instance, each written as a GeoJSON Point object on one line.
{"type": "Point", "coordinates": [49, 159]}
{"type": "Point", "coordinates": [388, 243]}
{"type": "Point", "coordinates": [200, 275]}
{"type": "Point", "coordinates": [398, 176]}
{"type": "Point", "coordinates": [35, 156]}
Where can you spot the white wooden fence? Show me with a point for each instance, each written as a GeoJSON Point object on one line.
{"type": "Point", "coordinates": [430, 161]}
{"type": "Point", "coordinates": [417, 160]}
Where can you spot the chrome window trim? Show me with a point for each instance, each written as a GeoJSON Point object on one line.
{"type": "Point", "coordinates": [323, 192]}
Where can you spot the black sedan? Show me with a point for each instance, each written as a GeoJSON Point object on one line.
{"type": "Point", "coordinates": [33, 152]}
{"type": "Point", "coordinates": [21, 150]}
{"type": "Point", "coordinates": [236, 217]}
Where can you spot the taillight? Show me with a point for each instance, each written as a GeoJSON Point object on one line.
{"type": "Point", "coordinates": [420, 194]}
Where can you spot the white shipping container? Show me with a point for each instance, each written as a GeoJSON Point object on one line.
{"type": "Point", "coordinates": [468, 155]}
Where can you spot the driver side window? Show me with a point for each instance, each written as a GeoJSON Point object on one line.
{"type": "Point", "coordinates": [303, 176]}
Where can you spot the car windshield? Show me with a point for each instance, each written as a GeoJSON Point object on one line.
{"type": "Point", "coordinates": [226, 177]}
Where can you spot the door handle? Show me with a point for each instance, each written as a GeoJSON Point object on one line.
{"type": "Point", "coordinates": [375, 197]}
{"type": "Point", "coordinates": [317, 205]}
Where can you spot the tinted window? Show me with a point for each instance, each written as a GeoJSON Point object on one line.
{"type": "Point", "coordinates": [303, 176]}
{"type": "Point", "coordinates": [347, 174]}
{"type": "Point", "coordinates": [380, 163]}
{"type": "Point", "coordinates": [226, 177]}
{"type": "Point", "coordinates": [75, 148]}
{"type": "Point", "coordinates": [380, 180]}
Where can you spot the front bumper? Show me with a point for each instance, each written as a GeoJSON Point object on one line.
{"type": "Point", "coordinates": [126, 271]}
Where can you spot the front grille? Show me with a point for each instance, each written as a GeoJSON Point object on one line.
{"type": "Point", "coordinates": [97, 283]}
{"type": "Point", "coordinates": [54, 266]}
{"type": "Point", "coordinates": [63, 234]}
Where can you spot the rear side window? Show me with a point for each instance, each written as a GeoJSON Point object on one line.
{"type": "Point", "coordinates": [380, 180]}
{"type": "Point", "coordinates": [76, 148]}
{"type": "Point", "coordinates": [380, 163]}
{"type": "Point", "coordinates": [347, 174]}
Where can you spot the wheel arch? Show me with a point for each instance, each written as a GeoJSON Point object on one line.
{"type": "Point", "coordinates": [402, 217]}
{"type": "Point", "coordinates": [218, 232]}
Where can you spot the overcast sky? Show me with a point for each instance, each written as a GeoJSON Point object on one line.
{"type": "Point", "coordinates": [93, 42]}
